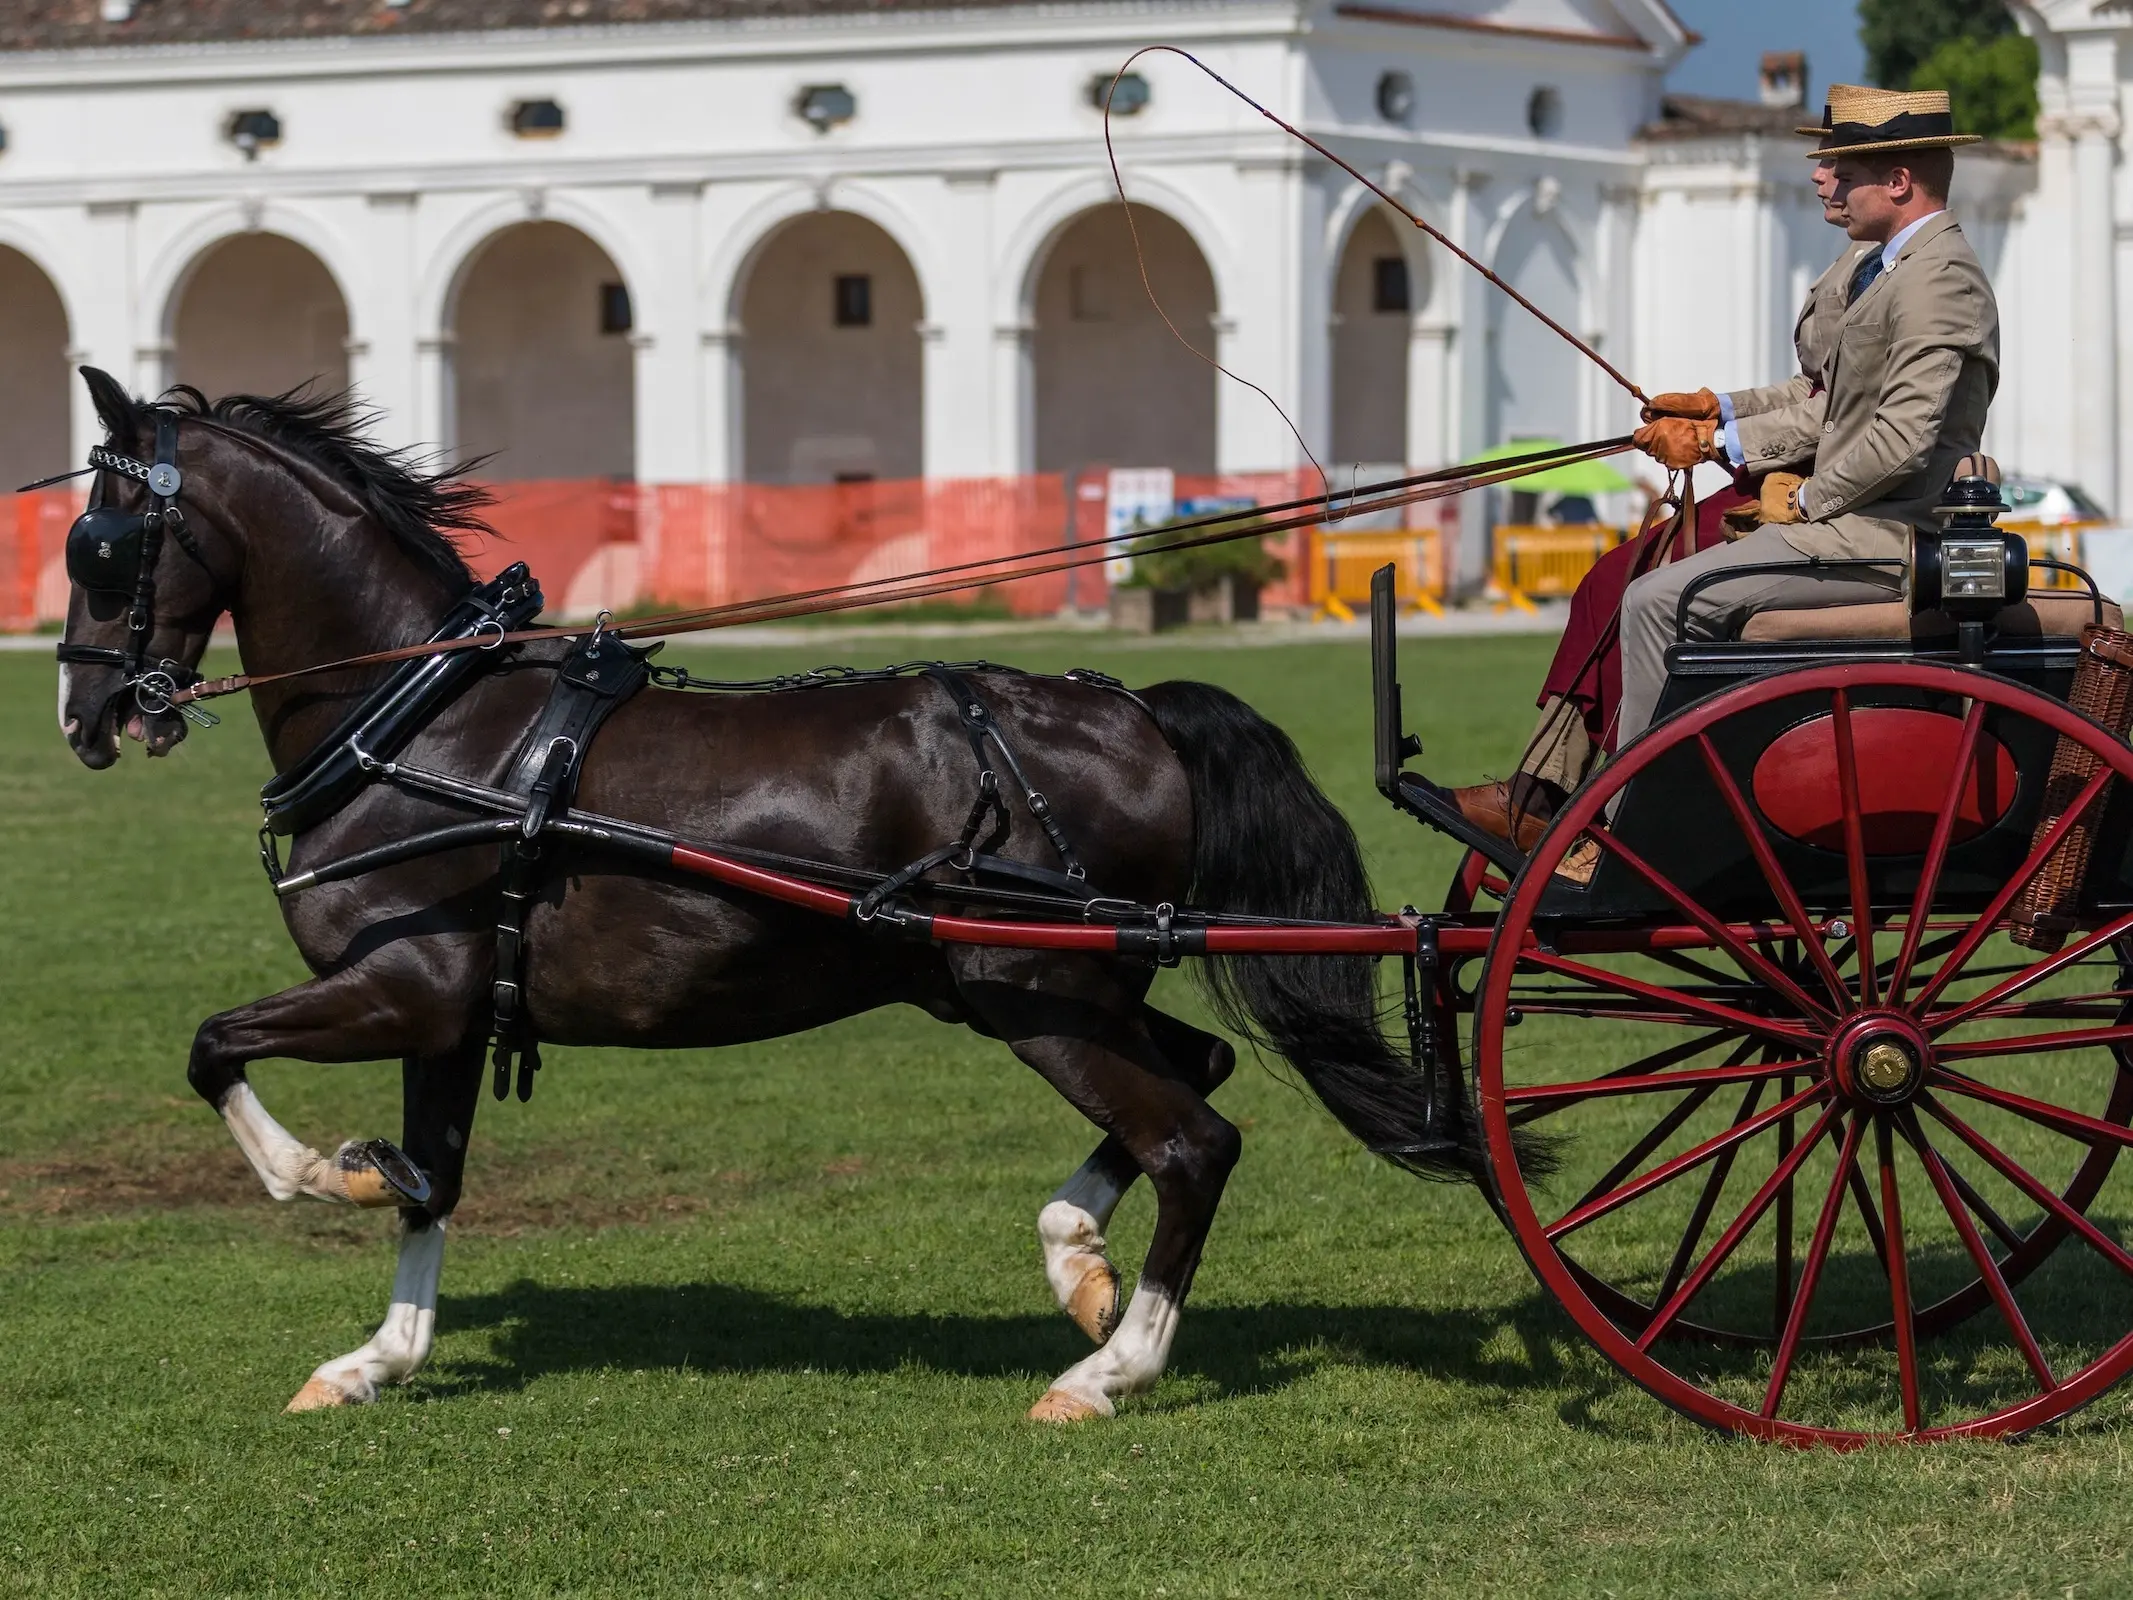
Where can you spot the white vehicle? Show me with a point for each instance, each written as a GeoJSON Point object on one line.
{"type": "Point", "coordinates": [2041, 501]}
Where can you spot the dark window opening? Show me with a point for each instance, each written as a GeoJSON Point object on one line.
{"type": "Point", "coordinates": [537, 119]}
{"type": "Point", "coordinates": [253, 131]}
{"type": "Point", "coordinates": [1388, 284]}
{"type": "Point", "coordinates": [615, 308]}
{"type": "Point", "coordinates": [855, 300]}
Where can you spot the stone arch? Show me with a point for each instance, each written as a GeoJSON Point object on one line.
{"type": "Point", "coordinates": [257, 313]}
{"type": "Point", "coordinates": [832, 363]}
{"type": "Point", "coordinates": [1535, 379]}
{"type": "Point", "coordinates": [36, 400]}
{"type": "Point", "coordinates": [538, 323]}
{"type": "Point", "coordinates": [1110, 383]}
{"type": "Point", "coordinates": [1373, 320]}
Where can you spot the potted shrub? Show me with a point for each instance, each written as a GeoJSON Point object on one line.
{"type": "Point", "coordinates": [1207, 583]}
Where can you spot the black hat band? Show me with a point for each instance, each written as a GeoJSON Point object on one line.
{"type": "Point", "coordinates": [1909, 125]}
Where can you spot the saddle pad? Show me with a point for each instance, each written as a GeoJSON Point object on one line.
{"type": "Point", "coordinates": [2057, 614]}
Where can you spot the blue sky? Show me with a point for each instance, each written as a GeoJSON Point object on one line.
{"type": "Point", "coordinates": [1737, 32]}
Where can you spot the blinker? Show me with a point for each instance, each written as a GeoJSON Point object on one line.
{"type": "Point", "coordinates": [104, 550]}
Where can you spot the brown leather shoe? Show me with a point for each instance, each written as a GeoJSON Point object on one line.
{"type": "Point", "coordinates": [1489, 807]}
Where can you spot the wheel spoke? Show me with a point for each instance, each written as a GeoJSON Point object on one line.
{"type": "Point", "coordinates": [1988, 1269]}
{"type": "Point", "coordinates": [1660, 1132]}
{"type": "Point", "coordinates": [1650, 1083]}
{"type": "Point", "coordinates": [1811, 1269]}
{"type": "Point", "coordinates": [1657, 1062]}
{"type": "Point", "coordinates": [1854, 842]}
{"type": "Point", "coordinates": [2024, 1044]}
{"type": "Point", "coordinates": [1986, 1211]}
{"type": "Point", "coordinates": [1936, 852]}
{"type": "Point", "coordinates": [1899, 1277]}
{"type": "Point", "coordinates": [1780, 885]}
{"type": "Point", "coordinates": [2006, 1166]}
{"type": "Point", "coordinates": [1869, 1213]}
{"type": "Point", "coordinates": [1714, 1184]}
{"type": "Point", "coordinates": [1742, 952]}
{"type": "Point", "coordinates": [1687, 1161]}
{"type": "Point", "coordinates": [2039, 853]}
{"type": "Point", "coordinates": [2025, 977]}
{"type": "Point", "coordinates": [2089, 1130]}
{"type": "Point", "coordinates": [1737, 1230]}
{"type": "Point", "coordinates": [1696, 1009]}
{"type": "Point", "coordinates": [1781, 1255]}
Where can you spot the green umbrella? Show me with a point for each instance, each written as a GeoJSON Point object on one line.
{"type": "Point", "coordinates": [1576, 477]}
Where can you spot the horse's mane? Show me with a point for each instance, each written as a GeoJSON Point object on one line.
{"type": "Point", "coordinates": [419, 502]}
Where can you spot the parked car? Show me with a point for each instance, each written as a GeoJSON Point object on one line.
{"type": "Point", "coordinates": [2040, 500]}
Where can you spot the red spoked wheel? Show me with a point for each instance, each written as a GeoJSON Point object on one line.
{"type": "Point", "coordinates": [1818, 1157]}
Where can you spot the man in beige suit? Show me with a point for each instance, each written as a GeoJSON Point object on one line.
{"type": "Point", "coordinates": [1787, 423]}
{"type": "Point", "coordinates": [1906, 386]}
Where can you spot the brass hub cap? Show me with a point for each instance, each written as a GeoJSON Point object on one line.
{"type": "Point", "coordinates": [1880, 1060]}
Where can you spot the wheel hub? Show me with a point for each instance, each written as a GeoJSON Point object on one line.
{"type": "Point", "coordinates": [1880, 1059]}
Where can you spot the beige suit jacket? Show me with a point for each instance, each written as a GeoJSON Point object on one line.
{"type": "Point", "coordinates": [1912, 375]}
{"type": "Point", "coordinates": [1780, 426]}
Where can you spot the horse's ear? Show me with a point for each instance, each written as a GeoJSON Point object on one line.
{"type": "Point", "coordinates": [115, 408]}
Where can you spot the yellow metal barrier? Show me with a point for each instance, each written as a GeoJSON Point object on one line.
{"type": "Point", "coordinates": [2056, 541]}
{"type": "Point", "coordinates": [1341, 565]}
{"type": "Point", "coordinates": [1533, 563]}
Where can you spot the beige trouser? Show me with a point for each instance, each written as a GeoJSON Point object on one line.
{"type": "Point", "coordinates": [1560, 751]}
{"type": "Point", "coordinates": [1649, 606]}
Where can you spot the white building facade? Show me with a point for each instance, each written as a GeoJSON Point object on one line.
{"type": "Point", "coordinates": [818, 240]}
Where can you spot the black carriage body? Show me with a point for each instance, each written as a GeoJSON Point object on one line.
{"type": "Point", "coordinates": [1779, 752]}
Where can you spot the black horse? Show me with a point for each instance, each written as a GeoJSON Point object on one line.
{"type": "Point", "coordinates": [320, 546]}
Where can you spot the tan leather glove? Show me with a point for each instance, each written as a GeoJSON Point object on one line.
{"type": "Point", "coordinates": [1700, 405]}
{"type": "Point", "coordinates": [1678, 442]}
{"type": "Point", "coordinates": [1781, 497]}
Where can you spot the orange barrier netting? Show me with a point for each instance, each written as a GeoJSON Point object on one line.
{"type": "Point", "coordinates": [647, 548]}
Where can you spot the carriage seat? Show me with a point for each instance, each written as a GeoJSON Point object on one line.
{"type": "Point", "coordinates": [2047, 614]}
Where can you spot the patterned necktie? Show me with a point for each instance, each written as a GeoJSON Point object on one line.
{"type": "Point", "coordinates": [1869, 273]}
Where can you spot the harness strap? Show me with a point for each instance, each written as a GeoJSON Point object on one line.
{"type": "Point", "coordinates": [982, 729]}
{"type": "Point", "coordinates": [592, 681]}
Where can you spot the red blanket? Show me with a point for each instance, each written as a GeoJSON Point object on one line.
{"type": "Point", "coordinates": [1587, 670]}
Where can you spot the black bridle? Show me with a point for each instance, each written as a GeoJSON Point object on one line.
{"type": "Point", "coordinates": [112, 555]}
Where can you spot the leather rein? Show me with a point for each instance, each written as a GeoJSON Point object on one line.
{"type": "Point", "coordinates": [1219, 528]}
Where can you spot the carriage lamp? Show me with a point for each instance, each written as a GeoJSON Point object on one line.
{"type": "Point", "coordinates": [1128, 94]}
{"type": "Point", "coordinates": [823, 105]}
{"type": "Point", "coordinates": [253, 131]}
{"type": "Point", "coordinates": [1968, 569]}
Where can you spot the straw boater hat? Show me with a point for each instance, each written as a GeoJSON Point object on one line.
{"type": "Point", "coordinates": [1859, 121]}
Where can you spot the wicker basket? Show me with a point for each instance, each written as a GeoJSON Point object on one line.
{"type": "Point", "coordinates": [2046, 910]}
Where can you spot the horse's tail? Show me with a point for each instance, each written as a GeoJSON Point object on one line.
{"type": "Point", "coordinates": [1266, 842]}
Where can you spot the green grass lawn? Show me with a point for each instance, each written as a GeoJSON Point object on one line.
{"type": "Point", "coordinates": [767, 1320]}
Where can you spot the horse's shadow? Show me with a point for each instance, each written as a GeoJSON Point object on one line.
{"type": "Point", "coordinates": [538, 1330]}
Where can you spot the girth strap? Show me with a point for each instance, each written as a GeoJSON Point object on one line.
{"type": "Point", "coordinates": [596, 677]}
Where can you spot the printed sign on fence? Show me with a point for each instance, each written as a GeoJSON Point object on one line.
{"type": "Point", "coordinates": [1139, 497]}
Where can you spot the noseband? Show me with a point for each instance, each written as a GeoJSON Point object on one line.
{"type": "Point", "coordinates": [113, 553]}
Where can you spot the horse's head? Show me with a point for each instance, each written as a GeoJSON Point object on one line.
{"type": "Point", "coordinates": [142, 565]}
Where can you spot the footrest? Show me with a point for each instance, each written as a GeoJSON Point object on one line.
{"type": "Point", "coordinates": [1425, 802]}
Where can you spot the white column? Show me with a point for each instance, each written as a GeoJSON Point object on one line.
{"type": "Point", "coordinates": [1430, 347]}
{"type": "Point", "coordinates": [383, 360]}
{"type": "Point", "coordinates": [719, 377]}
{"type": "Point", "coordinates": [103, 296]}
{"type": "Point", "coordinates": [1014, 399]}
{"type": "Point", "coordinates": [1259, 323]}
{"type": "Point", "coordinates": [962, 410]}
{"type": "Point", "coordinates": [2096, 296]}
{"type": "Point", "coordinates": [1470, 372]}
{"type": "Point", "coordinates": [668, 388]}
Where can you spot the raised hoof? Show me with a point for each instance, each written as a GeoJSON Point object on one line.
{"type": "Point", "coordinates": [1059, 1406]}
{"type": "Point", "coordinates": [1094, 1303]}
{"type": "Point", "coordinates": [377, 1173]}
{"type": "Point", "coordinates": [317, 1395]}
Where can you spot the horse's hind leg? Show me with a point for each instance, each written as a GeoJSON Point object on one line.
{"type": "Point", "coordinates": [1071, 1225]}
{"type": "Point", "coordinates": [439, 1094]}
{"type": "Point", "coordinates": [1093, 1045]}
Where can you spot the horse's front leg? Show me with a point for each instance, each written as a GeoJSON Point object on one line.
{"type": "Point", "coordinates": [354, 1015]}
{"type": "Point", "coordinates": [441, 1094]}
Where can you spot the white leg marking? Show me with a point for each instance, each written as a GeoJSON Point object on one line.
{"type": "Point", "coordinates": [1132, 1361]}
{"type": "Point", "coordinates": [285, 1164]}
{"type": "Point", "coordinates": [402, 1342]}
{"type": "Point", "coordinates": [1071, 1228]}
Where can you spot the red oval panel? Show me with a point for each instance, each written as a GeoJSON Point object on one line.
{"type": "Point", "coordinates": [1906, 761]}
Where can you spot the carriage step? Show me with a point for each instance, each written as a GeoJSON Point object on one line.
{"type": "Point", "coordinates": [1424, 801]}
